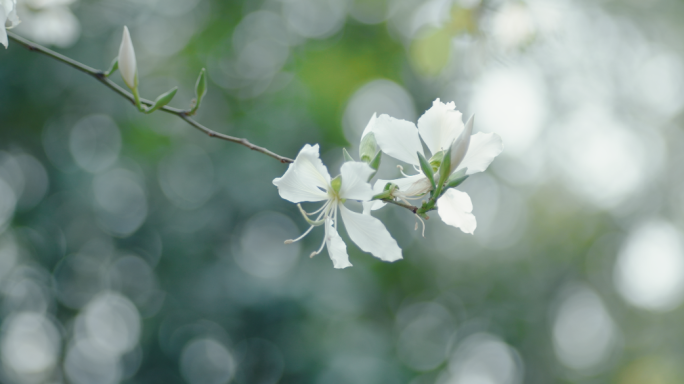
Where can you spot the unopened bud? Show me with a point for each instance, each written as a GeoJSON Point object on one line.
{"type": "Point", "coordinates": [127, 64]}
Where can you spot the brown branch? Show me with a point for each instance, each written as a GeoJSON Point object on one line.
{"type": "Point", "coordinates": [183, 114]}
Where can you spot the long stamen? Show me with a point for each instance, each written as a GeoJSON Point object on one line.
{"type": "Point", "coordinates": [401, 169]}
{"type": "Point", "coordinates": [421, 220]}
{"type": "Point", "coordinates": [300, 237]}
{"type": "Point", "coordinates": [306, 217]}
{"type": "Point", "coordinates": [319, 209]}
{"type": "Point", "coordinates": [322, 244]}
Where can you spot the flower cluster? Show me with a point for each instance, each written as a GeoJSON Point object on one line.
{"type": "Point", "coordinates": [456, 153]}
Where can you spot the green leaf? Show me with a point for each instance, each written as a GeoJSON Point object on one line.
{"type": "Point", "coordinates": [162, 100]}
{"type": "Point", "coordinates": [427, 169]}
{"type": "Point", "coordinates": [457, 178]}
{"type": "Point", "coordinates": [200, 91]}
{"type": "Point", "coordinates": [375, 164]}
{"type": "Point", "coordinates": [112, 67]}
{"type": "Point", "coordinates": [347, 156]}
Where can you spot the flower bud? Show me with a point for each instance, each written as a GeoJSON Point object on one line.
{"type": "Point", "coordinates": [127, 63]}
{"type": "Point", "coordinates": [369, 146]}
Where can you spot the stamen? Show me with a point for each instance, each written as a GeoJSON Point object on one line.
{"type": "Point", "coordinates": [421, 220]}
{"type": "Point", "coordinates": [300, 237]}
{"type": "Point", "coordinates": [321, 248]}
{"type": "Point", "coordinates": [401, 169]}
{"type": "Point", "coordinates": [319, 209]}
{"type": "Point", "coordinates": [306, 217]}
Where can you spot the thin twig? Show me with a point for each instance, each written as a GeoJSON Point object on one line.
{"type": "Point", "coordinates": [183, 114]}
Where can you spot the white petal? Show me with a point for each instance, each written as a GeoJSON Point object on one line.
{"type": "Point", "coordinates": [455, 207]}
{"type": "Point", "coordinates": [414, 185]}
{"type": "Point", "coordinates": [355, 175]}
{"type": "Point", "coordinates": [306, 179]}
{"type": "Point", "coordinates": [3, 33]}
{"type": "Point", "coordinates": [337, 249]}
{"type": "Point", "coordinates": [127, 63]}
{"type": "Point", "coordinates": [372, 205]}
{"type": "Point", "coordinates": [461, 145]}
{"type": "Point", "coordinates": [398, 138]}
{"type": "Point", "coordinates": [440, 125]}
{"type": "Point", "coordinates": [370, 127]}
{"type": "Point", "coordinates": [370, 235]}
{"type": "Point", "coordinates": [484, 147]}
{"type": "Point", "coordinates": [11, 12]}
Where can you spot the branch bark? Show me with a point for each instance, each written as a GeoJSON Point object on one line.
{"type": "Point", "coordinates": [183, 114]}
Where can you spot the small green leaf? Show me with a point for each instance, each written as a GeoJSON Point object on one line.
{"type": "Point", "coordinates": [427, 169]}
{"type": "Point", "coordinates": [112, 67]}
{"type": "Point", "coordinates": [162, 100]}
{"type": "Point", "coordinates": [347, 156]}
{"type": "Point", "coordinates": [375, 164]}
{"type": "Point", "coordinates": [457, 178]}
{"type": "Point", "coordinates": [200, 91]}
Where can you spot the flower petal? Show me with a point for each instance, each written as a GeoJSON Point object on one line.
{"type": "Point", "coordinates": [484, 147]}
{"type": "Point", "coordinates": [306, 179]}
{"type": "Point", "coordinates": [409, 186]}
{"type": "Point", "coordinates": [370, 127]}
{"type": "Point", "coordinates": [370, 235]}
{"type": "Point", "coordinates": [355, 186]}
{"type": "Point", "coordinates": [398, 138]}
{"type": "Point", "coordinates": [372, 205]}
{"type": "Point", "coordinates": [440, 125]}
{"type": "Point", "coordinates": [3, 33]}
{"type": "Point", "coordinates": [455, 207]}
{"type": "Point", "coordinates": [337, 249]}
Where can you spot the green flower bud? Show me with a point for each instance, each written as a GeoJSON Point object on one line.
{"type": "Point", "coordinates": [368, 148]}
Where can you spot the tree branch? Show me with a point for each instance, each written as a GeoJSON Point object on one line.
{"type": "Point", "coordinates": [183, 114]}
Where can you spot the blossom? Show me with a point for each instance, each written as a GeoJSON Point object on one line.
{"type": "Point", "coordinates": [308, 180]}
{"type": "Point", "coordinates": [8, 19]}
{"type": "Point", "coordinates": [441, 128]}
{"type": "Point", "coordinates": [127, 63]}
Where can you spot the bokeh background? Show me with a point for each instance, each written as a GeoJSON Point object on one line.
{"type": "Point", "coordinates": [135, 249]}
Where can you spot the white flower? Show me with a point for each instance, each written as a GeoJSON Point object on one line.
{"type": "Point", "coordinates": [127, 63]}
{"type": "Point", "coordinates": [307, 179]}
{"type": "Point", "coordinates": [441, 127]}
{"type": "Point", "coordinates": [8, 19]}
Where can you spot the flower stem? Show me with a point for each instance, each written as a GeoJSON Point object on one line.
{"type": "Point", "coordinates": [102, 78]}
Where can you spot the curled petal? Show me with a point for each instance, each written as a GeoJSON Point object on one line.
{"type": "Point", "coordinates": [440, 125]}
{"type": "Point", "coordinates": [398, 138]}
{"type": "Point", "coordinates": [410, 186]}
{"type": "Point", "coordinates": [306, 179]}
{"type": "Point", "coordinates": [354, 181]}
{"type": "Point", "coordinates": [484, 147]}
{"type": "Point", "coordinates": [337, 249]}
{"type": "Point", "coordinates": [370, 235]}
{"type": "Point", "coordinates": [455, 208]}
